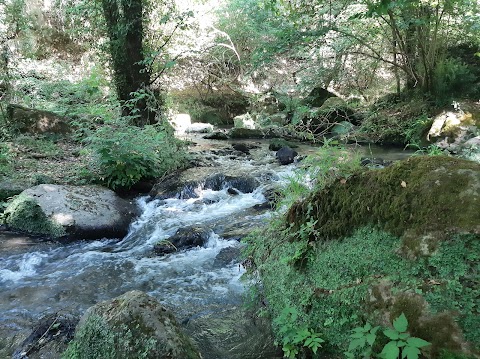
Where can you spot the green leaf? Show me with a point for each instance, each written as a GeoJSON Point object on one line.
{"type": "Point", "coordinates": [390, 351]}
{"type": "Point", "coordinates": [391, 333]}
{"type": "Point", "coordinates": [356, 343]}
{"type": "Point", "coordinates": [404, 336]}
{"type": "Point", "coordinates": [371, 338]}
{"type": "Point", "coordinates": [401, 323]}
{"type": "Point", "coordinates": [417, 342]}
{"type": "Point", "coordinates": [410, 353]}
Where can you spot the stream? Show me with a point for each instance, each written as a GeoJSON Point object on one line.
{"type": "Point", "coordinates": [205, 293]}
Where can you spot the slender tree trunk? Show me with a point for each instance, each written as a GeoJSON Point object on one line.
{"type": "Point", "coordinates": [124, 20]}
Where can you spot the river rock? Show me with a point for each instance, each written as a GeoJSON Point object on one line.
{"type": "Point", "coordinates": [29, 120]}
{"type": "Point", "coordinates": [278, 143]}
{"type": "Point", "coordinates": [184, 238]}
{"type": "Point", "coordinates": [188, 183]}
{"type": "Point", "coordinates": [216, 135]}
{"type": "Point", "coordinates": [134, 325]}
{"type": "Point", "coordinates": [199, 127]}
{"type": "Point", "coordinates": [83, 212]}
{"type": "Point", "coordinates": [226, 256]}
{"type": "Point", "coordinates": [286, 155]}
{"type": "Point", "coordinates": [450, 130]}
{"type": "Point", "coordinates": [237, 133]}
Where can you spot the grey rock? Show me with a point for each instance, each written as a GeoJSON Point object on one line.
{"type": "Point", "coordinates": [185, 238]}
{"type": "Point", "coordinates": [286, 155]}
{"type": "Point", "coordinates": [216, 135]}
{"type": "Point", "coordinates": [82, 212]}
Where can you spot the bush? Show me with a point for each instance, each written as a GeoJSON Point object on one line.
{"type": "Point", "coordinates": [122, 154]}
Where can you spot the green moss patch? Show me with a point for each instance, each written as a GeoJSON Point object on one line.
{"type": "Point", "coordinates": [25, 215]}
{"type": "Point", "coordinates": [343, 284]}
{"type": "Point", "coordinates": [416, 196]}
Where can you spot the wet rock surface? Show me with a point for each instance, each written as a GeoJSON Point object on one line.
{"type": "Point", "coordinates": [184, 238]}
{"type": "Point", "coordinates": [286, 155]}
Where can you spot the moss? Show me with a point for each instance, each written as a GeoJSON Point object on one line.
{"type": "Point", "coordinates": [344, 283]}
{"type": "Point", "coordinates": [421, 194]}
{"type": "Point", "coordinates": [24, 214]}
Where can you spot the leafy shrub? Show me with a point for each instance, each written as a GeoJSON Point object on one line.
{"type": "Point", "coordinates": [401, 342]}
{"type": "Point", "coordinates": [294, 337]}
{"type": "Point", "coordinates": [452, 77]}
{"type": "Point", "coordinates": [123, 154]}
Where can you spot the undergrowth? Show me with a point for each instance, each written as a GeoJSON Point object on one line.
{"type": "Point", "coordinates": [338, 285]}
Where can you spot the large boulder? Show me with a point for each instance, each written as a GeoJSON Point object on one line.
{"type": "Point", "coordinates": [134, 325]}
{"type": "Point", "coordinates": [83, 212]}
{"type": "Point", "coordinates": [420, 195]}
{"type": "Point", "coordinates": [28, 120]}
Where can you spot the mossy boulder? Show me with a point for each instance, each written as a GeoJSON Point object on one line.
{"type": "Point", "coordinates": [81, 212]}
{"type": "Point", "coordinates": [28, 120]}
{"type": "Point", "coordinates": [134, 325]}
{"type": "Point", "coordinates": [239, 133]}
{"type": "Point", "coordinates": [416, 196]}
{"type": "Point", "coordinates": [367, 248]}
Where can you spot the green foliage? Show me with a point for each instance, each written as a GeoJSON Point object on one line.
{"type": "Point", "coordinates": [123, 154]}
{"type": "Point", "coordinates": [452, 78]}
{"type": "Point", "coordinates": [329, 163]}
{"type": "Point", "coordinates": [362, 341]}
{"type": "Point", "coordinates": [44, 146]}
{"type": "Point", "coordinates": [329, 284]}
{"type": "Point", "coordinates": [401, 343]}
{"type": "Point", "coordinates": [431, 150]}
{"type": "Point", "coordinates": [293, 337]}
{"type": "Point", "coordinates": [397, 120]}
{"type": "Point", "coordinates": [95, 339]}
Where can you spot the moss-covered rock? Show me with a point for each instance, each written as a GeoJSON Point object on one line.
{"type": "Point", "coordinates": [25, 214]}
{"type": "Point", "coordinates": [404, 239]}
{"type": "Point", "coordinates": [134, 325]}
{"type": "Point", "coordinates": [413, 197]}
{"type": "Point", "coordinates": [81, 212]}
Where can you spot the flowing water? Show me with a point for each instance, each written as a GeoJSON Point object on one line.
{"type": "Point", "coordinates": [40, 278]}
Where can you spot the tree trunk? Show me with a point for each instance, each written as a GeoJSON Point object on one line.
{"type": "Point", "coordinates": [124, 21]}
